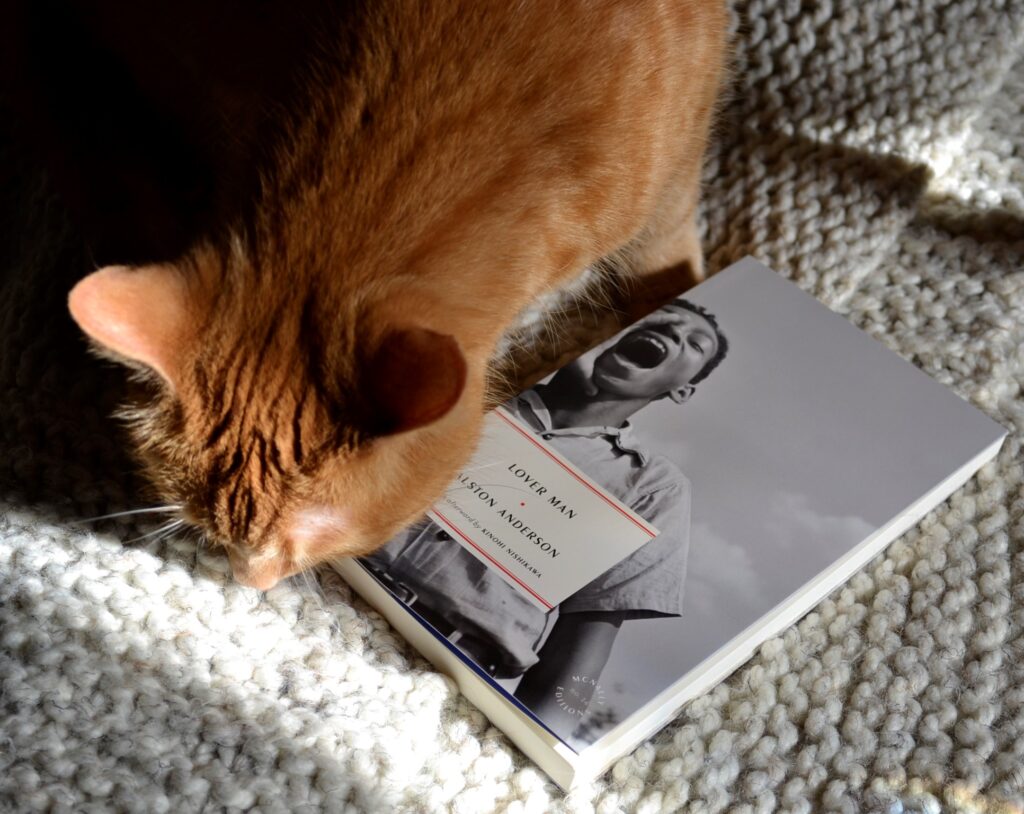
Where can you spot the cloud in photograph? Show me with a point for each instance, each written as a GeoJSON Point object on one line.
{"type": "Point", "coordinates": [719, 571]}
{"type": "Point", "coordinates": [793, 524]}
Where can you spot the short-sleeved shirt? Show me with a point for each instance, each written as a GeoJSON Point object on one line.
{"type": "Point", "coordinates": [455, 584]}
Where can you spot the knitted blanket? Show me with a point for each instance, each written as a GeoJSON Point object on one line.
{"type": "Point", "coordinates": [870, 150]}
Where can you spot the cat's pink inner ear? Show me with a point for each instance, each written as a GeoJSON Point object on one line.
{"type": "Point", "coordinates": [415, 377]}
{"type": "Point", "coordinates": [138, 313]}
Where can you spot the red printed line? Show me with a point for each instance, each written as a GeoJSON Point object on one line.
{"type": "Point", "coordinates": [529, 437]}
{"type": "Point", "coordinates": [497, 564]}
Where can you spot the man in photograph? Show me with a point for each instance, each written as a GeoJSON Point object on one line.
{"type": "Point", "coordinates": [583, 413]}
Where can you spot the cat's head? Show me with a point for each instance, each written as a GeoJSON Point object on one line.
{"type": "Point", "coordinates": [292, 423]}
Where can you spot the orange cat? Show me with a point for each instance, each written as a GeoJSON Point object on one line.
{"type": "Point", "coordinates": [318, 371]}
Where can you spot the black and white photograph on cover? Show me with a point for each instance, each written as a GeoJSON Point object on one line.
{"type": "Point", "coordinates": [552, 661]}
{"type": "Point", "coordinates": [786, 438]}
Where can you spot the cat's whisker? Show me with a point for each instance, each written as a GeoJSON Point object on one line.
{"type": "Point", "coordinates": [321, 595]}
{"type": "Point", "coordinates": [173, 530]}
{"type": "Point", "coordinates": [314, 585]}
{"type": "Point", "coordinates": [199, 539]}
{"type": "Point", "coordinates": [164, 530]}
{"type": "Point", "coordinates": [479, 468]}
{"type": "Point", "coordinates": [170, 507]}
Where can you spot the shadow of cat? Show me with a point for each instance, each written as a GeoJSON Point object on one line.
{"type": "Point", "coordinates": [63, 452]}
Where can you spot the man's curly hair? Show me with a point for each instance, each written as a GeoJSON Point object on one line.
{"type": "Point", "coordinates": [723, 343]}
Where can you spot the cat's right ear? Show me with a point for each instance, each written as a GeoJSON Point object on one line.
{"type": "Point", "coordinates": [139, 314]}
{"type": "Point", "coordinates": [415, 377]}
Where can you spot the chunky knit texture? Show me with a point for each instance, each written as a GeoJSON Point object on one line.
{"type": "Point", "coordinates": [873, 152]}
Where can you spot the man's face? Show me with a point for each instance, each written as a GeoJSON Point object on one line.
{"type": "Point", "coordinates": [660, 354]}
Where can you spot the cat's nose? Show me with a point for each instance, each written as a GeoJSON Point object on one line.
{"type": "Point", "coordinates": [261, 578]}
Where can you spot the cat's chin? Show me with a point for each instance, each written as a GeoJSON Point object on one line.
{"type": "Point", "coordinates": [312, 528]}
{"type": "Point", "coordinates": [309, 536]}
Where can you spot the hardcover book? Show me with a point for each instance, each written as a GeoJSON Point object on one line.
{"type": "Point", "coordinates": [633, 527]}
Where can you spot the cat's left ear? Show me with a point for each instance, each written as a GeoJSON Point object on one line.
{"type": "Point", "coordinates": [414, 377]}
{"type": "Point", "coordinates": [139, 314]}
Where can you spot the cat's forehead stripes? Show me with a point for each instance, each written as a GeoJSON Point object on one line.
{"type": "Point", "coordinates": [240, 494]}
{"type": "Point", "coordinates": [268, 414]}
{"type": "Point", "coordinates": [296, 425]}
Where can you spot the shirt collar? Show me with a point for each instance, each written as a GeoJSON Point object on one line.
{"type": "Point", "coordinates": [621, 437]}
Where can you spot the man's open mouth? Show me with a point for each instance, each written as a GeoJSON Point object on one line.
{"type": "Point", "coordinates": [644, 349]}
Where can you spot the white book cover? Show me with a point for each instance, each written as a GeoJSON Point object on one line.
{"type": "Point", "coordinates": [630, 529]}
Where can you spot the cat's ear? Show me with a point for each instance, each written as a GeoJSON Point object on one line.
{"type": "Point", "coordinates": [414, 378]}
{"type": "Point", "coordinates": [137, 313]}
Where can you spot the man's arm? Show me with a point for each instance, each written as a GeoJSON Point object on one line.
{"type": "Point", "coordinates": [558, 689]}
